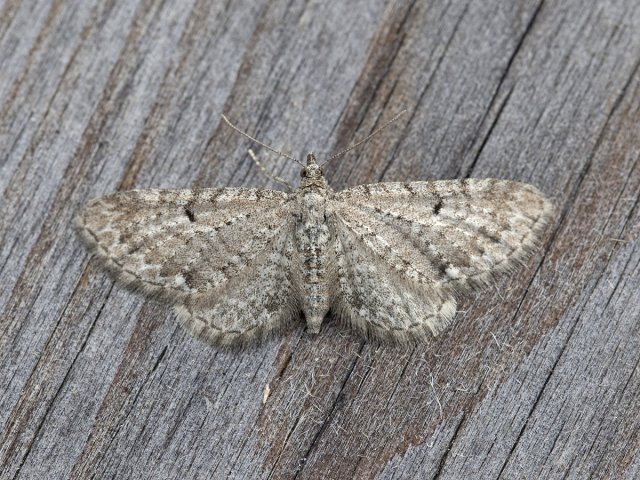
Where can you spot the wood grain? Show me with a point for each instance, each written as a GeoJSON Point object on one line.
{"type": "Point", "coordinates": [537, 378]}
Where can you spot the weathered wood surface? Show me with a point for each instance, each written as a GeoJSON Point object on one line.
{"type": "Point", "coordinates": [537, 378]}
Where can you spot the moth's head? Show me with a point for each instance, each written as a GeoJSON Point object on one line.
{"type": "Point", "coordinates": [312, 173]}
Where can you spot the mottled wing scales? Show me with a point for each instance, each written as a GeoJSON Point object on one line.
{"type": "Point", "coordinates": [377, 300]}
{"type": "Point", "coordinates": [181, 243]}
{"type": "Point", "coordinates": [437, 237]}
{"type": "Point", "coordinates": [262, 300]}
{"type": "Point", "coordinates": [197, 249]}
{"type": "Point", "coordinates": [230, 263]}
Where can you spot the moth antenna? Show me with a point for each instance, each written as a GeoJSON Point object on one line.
{"type": "Point", "coordinates": [255, 140]}
{"type": "Point", "coordinates": [267, 172]}
{"type": "Point", "coordinates": [357, 144]}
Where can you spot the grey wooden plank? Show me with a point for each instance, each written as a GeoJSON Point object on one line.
{"type": "Point", "coordinates": [537, 378]}
{"type": "Point", "coordinates": [28, 197]}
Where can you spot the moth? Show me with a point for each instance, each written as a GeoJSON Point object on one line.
{"type": "Point", "coordinates": [386, 259]}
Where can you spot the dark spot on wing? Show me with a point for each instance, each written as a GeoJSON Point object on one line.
{"type": "Point", "coordinates": [188, 279]}
{"type": "Point", "coordinates": [409, 188]}
{"type": "Point", "coordinates": [190, 215]}
{"type": "Point", "coordinates": [217, 193]}
{"type": "Point", "coordinates": [464, 187]}
{"type": "Point", "coordinates": [442, 268]}
{"type": "Point", "coordinates": [134, 248]}
{"type": "Point", "coordinates": [494, 238]}
{"type": "Point", "coordinates": [437, 207]}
